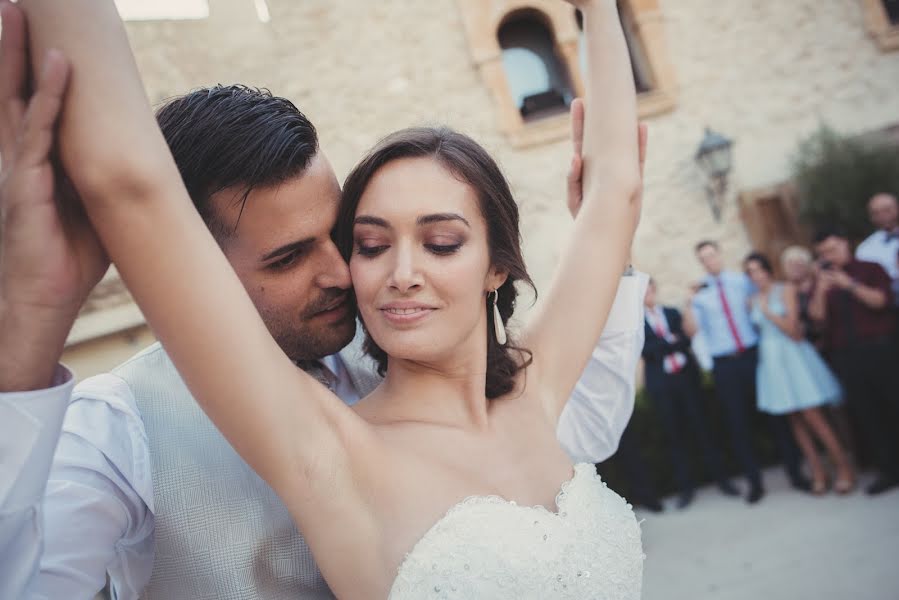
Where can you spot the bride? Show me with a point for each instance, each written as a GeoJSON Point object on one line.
{"type": "Point", "coordinates": [448, 480]}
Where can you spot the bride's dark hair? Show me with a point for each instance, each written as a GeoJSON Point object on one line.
{"type": "Point", "coordinates": [472, 165]}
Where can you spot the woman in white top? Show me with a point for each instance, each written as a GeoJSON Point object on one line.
{"type": "Point", "coordinates": [448, 479]}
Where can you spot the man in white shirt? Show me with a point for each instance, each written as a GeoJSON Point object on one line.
{"type": "Point", "coordinates": [882, 246]}
{"type": "Point", "coordinates": [141, 485]}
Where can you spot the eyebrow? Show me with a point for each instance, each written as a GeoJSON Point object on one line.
{"type": "Point", "coordinates": [423, 220]}
{"type": "Point", "coordinates": [291, 247]}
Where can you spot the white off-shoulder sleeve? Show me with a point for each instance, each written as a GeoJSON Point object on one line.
{"type": "Point", "coordinates": [602, 402]}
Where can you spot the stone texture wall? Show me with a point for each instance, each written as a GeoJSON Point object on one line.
{"type": "Point", "coordinates": [762, 73]}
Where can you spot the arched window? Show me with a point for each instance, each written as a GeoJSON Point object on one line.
{"type": "Point", "coordinates": [536, 77]}
{"type": "Point", "coordinates": [639, 64]}
{"type": "Point", "coordinates": [527, 54]}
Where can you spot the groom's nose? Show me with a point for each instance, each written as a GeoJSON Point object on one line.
{"type": "Point", "coordinates": [333, 272]}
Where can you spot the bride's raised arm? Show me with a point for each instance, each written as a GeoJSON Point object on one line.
{"type": "Point", "coordinates": [275, 415]}
{"type": "Point", "coordinates": [571, 316]}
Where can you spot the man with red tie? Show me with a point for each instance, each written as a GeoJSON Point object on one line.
{"type": "Point", "coordinates": [672, 381]}
{"type": "Point", "coordinates": [720, 309]}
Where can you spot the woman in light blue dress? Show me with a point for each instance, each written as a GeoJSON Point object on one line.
{"type": "Point", "coordinates": [792, 379]}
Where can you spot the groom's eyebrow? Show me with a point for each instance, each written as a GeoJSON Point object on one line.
{"type": "Point", "coordinates": [299, 245]}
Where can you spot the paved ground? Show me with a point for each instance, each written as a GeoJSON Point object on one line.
{"type": "Point", "coordinates": [790, 546]}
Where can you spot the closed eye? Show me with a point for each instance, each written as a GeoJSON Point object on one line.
{"type": "Point", "coordinates": [288, 255]}
{"type": "Point", "coordinates": [286, 261]}
{"type": "Point", "coordinates": [370, 251]}
{"type": "Point", "coordinates": [443, 249]}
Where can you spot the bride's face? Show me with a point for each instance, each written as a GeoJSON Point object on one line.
{"type": "Point", "coordinates": [421, 262]}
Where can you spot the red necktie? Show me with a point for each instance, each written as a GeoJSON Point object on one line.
{"type": "Point", "coordinates": [730, 317]}
{"type": "Point", "coordinates": [660, 331]}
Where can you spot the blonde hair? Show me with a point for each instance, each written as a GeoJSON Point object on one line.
{"type": "Point", "coordinates": [795, 253]}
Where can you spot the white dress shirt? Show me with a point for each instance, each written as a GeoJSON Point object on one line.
{"type": "Point", "coordinates": [29, 429]}
{"type": "Point", "coordinates": [882, 248]}
{"type": "Point", "coordinates": [98, 504]}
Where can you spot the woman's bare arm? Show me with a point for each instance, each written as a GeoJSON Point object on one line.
{"type": "Point", "coordinates": [789, 322]}
{"type": "Point", "coordinates": [282, 421]}
{"type": "Point", "coordinates": [572, 314]}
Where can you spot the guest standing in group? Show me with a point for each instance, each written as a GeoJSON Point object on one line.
{"type": "Point", "coordinates": [881, 246]}
{"type": "Point", "coordinates": [792, 379]}
{"type": "Point", "coordinates": [673, 384]}
{"type": "Point", "coordinates": [852, 298]}
{"type": "Point", "coordinates": [720, 310]}
{"type": "Point", "coordinates": [798, 266]}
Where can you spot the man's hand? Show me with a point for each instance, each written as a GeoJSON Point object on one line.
{"type": "Point", "coordinates": [830, 278]}
{"type": "Point", "coordinates": [575, 173]}
{"type": "Point", "coordinates": [50, 257]}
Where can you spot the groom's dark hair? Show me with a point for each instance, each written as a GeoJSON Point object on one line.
{"type": "Point", "coordinates": [235, 136]}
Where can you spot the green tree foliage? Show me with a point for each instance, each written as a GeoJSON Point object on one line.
{"type": "Point", "coordinates": [836, 175]}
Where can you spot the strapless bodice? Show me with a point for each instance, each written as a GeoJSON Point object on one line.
{"type": "Point", "coordinates": [487, 547]}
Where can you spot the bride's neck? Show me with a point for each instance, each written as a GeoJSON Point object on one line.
{"type": "Point", "coordinates": [450, 394]}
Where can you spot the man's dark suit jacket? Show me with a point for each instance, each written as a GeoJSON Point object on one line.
{"type": "Point", "coordinates": [655, 349]}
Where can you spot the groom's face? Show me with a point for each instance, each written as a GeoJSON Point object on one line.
{"type": "Point", "coordinates": [281, 249]}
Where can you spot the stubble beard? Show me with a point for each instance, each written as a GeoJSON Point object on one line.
{"type": "Point", "coordinates": [312, 342]}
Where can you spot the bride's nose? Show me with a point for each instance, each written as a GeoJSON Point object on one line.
{"type": "Point", "coordinates": [405, 274]}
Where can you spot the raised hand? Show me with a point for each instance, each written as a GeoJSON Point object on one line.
{"type": "Point", "coordinates": [575, 174]}
{"type": "Point", "coordinates": [50, 257]}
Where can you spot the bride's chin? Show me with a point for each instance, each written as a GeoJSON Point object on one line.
{"type": "Point", "coordinates": [409, 346]}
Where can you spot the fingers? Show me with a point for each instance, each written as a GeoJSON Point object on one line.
{"type": "Point", "coordinates": [43, 110]}
{"type": "Point", "coordinates": [575, 185]}
{"type": "Point", "coordinates": [577, 126]}
{"type": "Point", "coordinates": [13, 66]}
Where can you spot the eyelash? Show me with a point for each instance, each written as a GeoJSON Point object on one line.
{"type": "Point", "coordinates": [285, 262]}
{"type": "Point", "coordinates": [443, 250]}
{"type": "Point", "coordinates": [438, 249]}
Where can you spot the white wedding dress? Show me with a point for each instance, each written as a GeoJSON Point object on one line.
{"type": "Point", "coordinates": [490, 548]}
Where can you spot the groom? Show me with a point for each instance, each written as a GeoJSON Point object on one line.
{"type": "Point", "coordinates": [142, 486]}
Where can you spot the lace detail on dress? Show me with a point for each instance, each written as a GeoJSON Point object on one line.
{"type": "Point", "coordinates": [489, 547]}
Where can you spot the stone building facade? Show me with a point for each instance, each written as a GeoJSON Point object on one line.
{"type": "Point", "coordinates": [765, 74]}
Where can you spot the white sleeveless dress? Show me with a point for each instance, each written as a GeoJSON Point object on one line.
{"type": "Point", "coordinates": [489, 548]}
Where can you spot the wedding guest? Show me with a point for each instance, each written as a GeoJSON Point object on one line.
{"type": "Point", "coordinates": [881, 246]}
{"type": "Point", "coordinates": [852, 297]}
{"type": "Point", "coordinates": [801, 270]}
{"type": "Point", "coordinates": [720, 309]}
{"type": "Point", "coordinates": [673, 384]}
{"type": "Point", "coordinates": [792, 379]}
{"type": "Point", "coordinates": [798, 267]}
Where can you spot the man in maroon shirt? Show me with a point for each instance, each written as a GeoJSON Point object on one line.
{"type": "Point", "coordinates": [853, 299]}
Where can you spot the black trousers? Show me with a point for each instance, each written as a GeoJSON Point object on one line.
{"type": "Point", "coordinates": [680, 407]}
{"type": "Point", "coordinates": [735, 386]}
{"type": "Point", "coordinates": [633, 467]}
{"type": "Point", "coordinates": [869, 373]}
